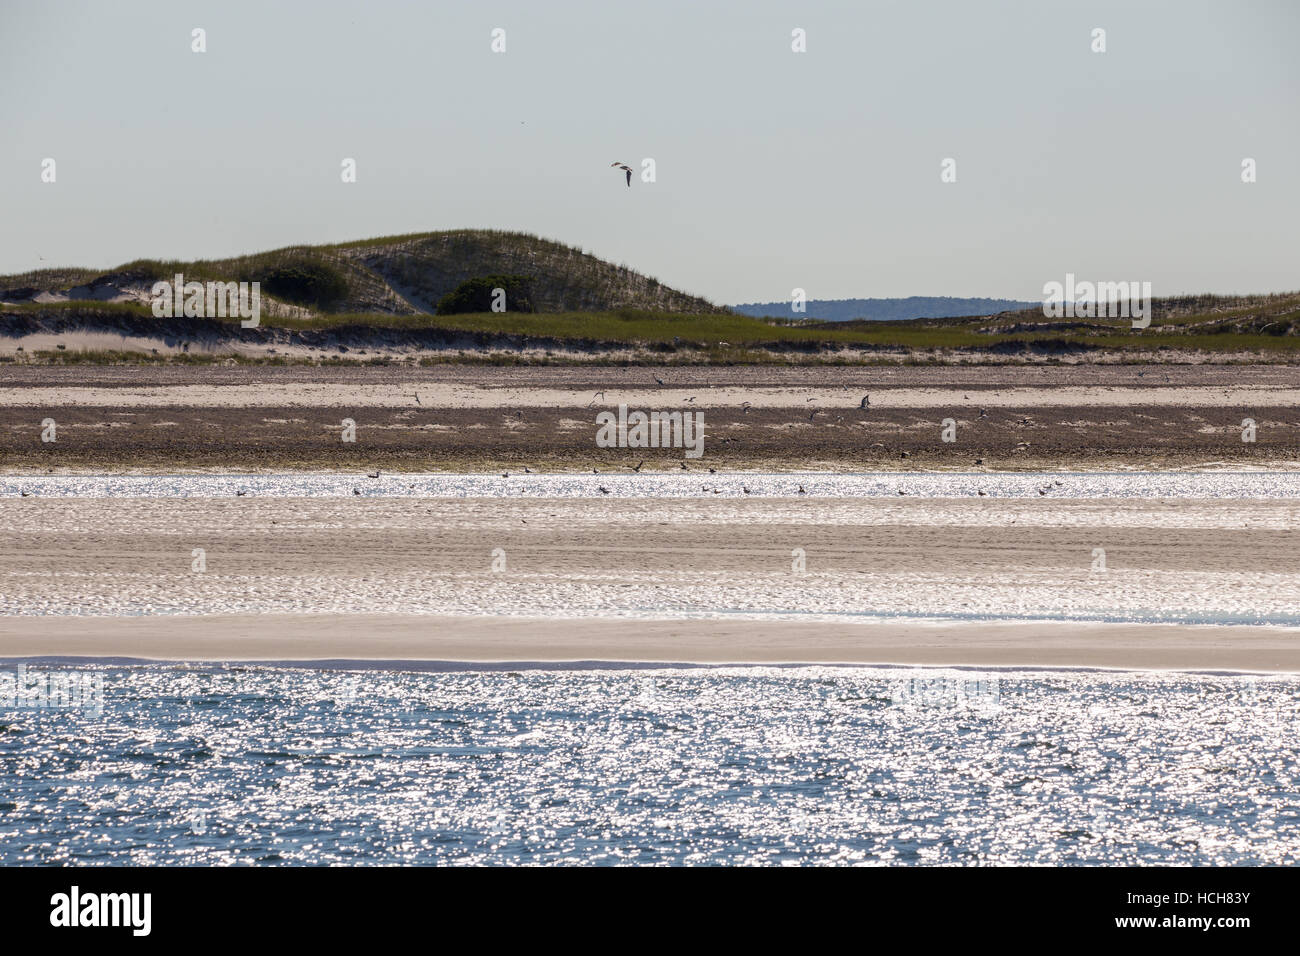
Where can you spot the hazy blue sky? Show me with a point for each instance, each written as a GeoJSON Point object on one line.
{"type": "Point", "coordinates": [819, 170]}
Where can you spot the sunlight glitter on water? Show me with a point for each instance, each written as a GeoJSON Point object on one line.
{"type": "Point", "coordinates": [211, 765]}
{"type": "Point", "coordinates": [697, 484]}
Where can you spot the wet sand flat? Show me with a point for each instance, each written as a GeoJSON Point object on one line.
{"type": "Point", "coordinates": [656, 579]}
{"type": "Point", "coordinates": [477, 419]}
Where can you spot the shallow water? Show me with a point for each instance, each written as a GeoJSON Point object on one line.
{"type": "Point", "coordinates": [207, 765]}
{"type": "Point", "coordinates": [685, 485]}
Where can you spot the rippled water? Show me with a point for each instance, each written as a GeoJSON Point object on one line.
{"type": "Point", "coordinates": [737, 765]}
{"type": "Point", "coordinates": [685, 485]}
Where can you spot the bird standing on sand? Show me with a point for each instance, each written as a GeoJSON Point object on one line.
{"type": "Point", "coordinates": [866, 400]}
{"type": "Point", "coordinates": [626, 168]}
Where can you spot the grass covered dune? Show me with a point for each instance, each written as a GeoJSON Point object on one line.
{"type": "Point", "coordinates": [395, 298]}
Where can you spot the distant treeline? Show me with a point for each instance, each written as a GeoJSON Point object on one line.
{"type": "Point", "coordinates": [913, 307]}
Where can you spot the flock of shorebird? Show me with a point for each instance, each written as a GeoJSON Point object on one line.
{"type": "Point", "coordinates": [863, 405]}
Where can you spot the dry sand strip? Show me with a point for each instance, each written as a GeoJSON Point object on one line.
{"type": "Point", "coordinates": [592, 378]}
{"type": "Point", "coordinates": [411, 394]}
{"type": "Point", "coordinates": [397, 638]}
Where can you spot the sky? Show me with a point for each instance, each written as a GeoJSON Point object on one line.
{"type": "Point", "coordinates": [774, 169]}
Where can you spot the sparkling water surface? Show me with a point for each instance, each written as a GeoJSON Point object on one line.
{"type": "Point", "coordinates": [692, 484]}
{"type": "Point", "coordinates": [243, 765]}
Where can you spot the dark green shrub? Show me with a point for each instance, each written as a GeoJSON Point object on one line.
{"type": "Point", "coordinates": [304, 282]}
{"type": "Point", "coordinates": [475, 295]}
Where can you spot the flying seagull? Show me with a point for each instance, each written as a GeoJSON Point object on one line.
{"type": "Point", "coordinates": [627, 169]}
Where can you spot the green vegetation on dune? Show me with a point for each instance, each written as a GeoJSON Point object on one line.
{"type": "Point", "coordinates": [403, 275]}
{"type": "Point", "coordinates": [1274, 326]}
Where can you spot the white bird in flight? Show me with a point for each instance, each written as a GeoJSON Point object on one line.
{"type": "Point", "coordinates": [626, 168]}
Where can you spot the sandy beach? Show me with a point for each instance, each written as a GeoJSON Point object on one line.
{"type": "Point", "coordinates": [685, 580]}
{"type": "Point", "coordinates": [416, 640]}
{"type": "Point", "coordinates": [1197, 584]}
{"type": "Point", "coordinates": [468, 419]}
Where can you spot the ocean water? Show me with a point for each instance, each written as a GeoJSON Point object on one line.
{"type": "Point", "coordinates": [264, 765]}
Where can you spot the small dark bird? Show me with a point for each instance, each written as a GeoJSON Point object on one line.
{"type": "Point", "coordinates": [627, 169]}
{"type": "Point", "coordinates": [744, 489]}
{"type": "Point", "coordinates": [375, 475]}
{"type": "Point", "coordinates": [637, 469]}
{"type": "Point", "coordinates": [604, 490]}
{"type": "Point", "coordinates": [527, 470]}
{"type": "Point", "coordinates": [801, 491]}
{"type": "Point", "coordinates": [505, 474]}
{"type": "Point", "coordinates": [25, 494]}
{"type": "Point", "coordinates": [713, 471]}
{"type": "Point", "coordinates": [657, 378]}
{"type": "Point", "coordinates": [866, 400]}
{"type": "Point", "coordinates": [901, 491]}
{"type": "Point", "coordinates": [983, 413]}
{"type": "Point", "coordinates": [239, 493]}
{"type": "Point", "coordinates": [595, 472]}
{"type": "Point", "coordinates": [684, 468]}
{"type": "Point", "coordinates": [981, 492]}
{"type": "Point", "coordinates": [979, 461]}
{"type": "Point", "coordinates": [356, 491]}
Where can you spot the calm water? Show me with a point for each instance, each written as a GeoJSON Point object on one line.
{"type": "Point", "coordinates": [210, 765]}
